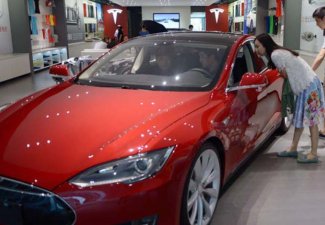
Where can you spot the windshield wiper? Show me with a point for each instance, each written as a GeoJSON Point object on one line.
{"type": "Point", "coordinates": [104, 84]}
{"type": "Point", "coordinates": [128, 87]}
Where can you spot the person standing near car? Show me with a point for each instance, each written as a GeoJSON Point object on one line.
{"type": "Point", "coordinates": [120, 34]}
{"type": "Point", "coordinates": [116, 32]}
{"type": "Point", "coordinates": [144, 31]}
{"type": "Point", "coordinates": [305, 84]}
{"type": "Point", "coordinates": [319, 16]}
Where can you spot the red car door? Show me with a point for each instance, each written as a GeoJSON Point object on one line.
{"type": "Point", "coordinates": [254, 103]}
{"type": "Point", "coordinates": [268, 109]}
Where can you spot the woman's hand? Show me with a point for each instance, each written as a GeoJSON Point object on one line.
{"type": "Point", "coordinates": [283, 73]}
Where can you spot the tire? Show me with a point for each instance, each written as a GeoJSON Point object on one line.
{"type": "Point", "coordinates": [286, 122]}
{"type": "Point", "coordinates": [202, 187]}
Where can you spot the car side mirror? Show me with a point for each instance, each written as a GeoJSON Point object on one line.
{"type": "Point", "coordinates": [249, 79]}
{"type": "Point", "coordinates": [252, 81]}
{"type": "Point", "coordinates": [59, 72]}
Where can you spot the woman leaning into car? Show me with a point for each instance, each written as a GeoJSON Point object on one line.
{"type": "Point", "coordinates": [305, 85]}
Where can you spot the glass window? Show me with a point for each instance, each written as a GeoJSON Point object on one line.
{"type": "Point", "coordinates": [239, 67]}
{"type": "Point", "coordinates": [260, 63]}
{"type": "Point", "coordinates": [162, 65]}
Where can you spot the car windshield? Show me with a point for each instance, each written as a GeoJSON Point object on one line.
{"type": "Point", "coordinates": [158, 65]}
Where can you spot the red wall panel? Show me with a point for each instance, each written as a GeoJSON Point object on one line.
{"type": "Point", "coordinates": [85, 9]}
{"type": "Point", "coordinates": [211, 24]}
{"type": "Point", "coordinates": [110, 26]}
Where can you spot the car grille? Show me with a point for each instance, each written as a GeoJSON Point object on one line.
{"type": "Point", "coordinates": [26, 204]}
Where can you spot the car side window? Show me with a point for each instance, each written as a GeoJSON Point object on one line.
{"type": "Point", "coordinates": [242, 64]}
{"type": "Point", "coordinates": [260, 63]}
{"type": "Point", "coordinates": [248, 56]}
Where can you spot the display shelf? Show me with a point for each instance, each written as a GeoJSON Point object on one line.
{"type": "Point", "coordinates": [38, 62]}
{"type": "Point", "coordinates": [56, 56]}
{"type": "Point", "coordinates": [63, 54]}
{"type": "Point", "coordinates": [44, 58]}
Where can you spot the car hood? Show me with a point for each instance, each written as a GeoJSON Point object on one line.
{"type": "Point", "coordinates": [49, 137]}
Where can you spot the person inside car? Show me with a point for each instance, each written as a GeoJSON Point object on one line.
{"type": "Point", "coordinates": [209, 62]}
{"type": "Point", "coordinates": [164, 65]}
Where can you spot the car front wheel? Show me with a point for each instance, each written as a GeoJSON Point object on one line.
{"type": "Point", "coordinates": [286, 122]}
{"type": "Point", "coordinates": [202, 187]}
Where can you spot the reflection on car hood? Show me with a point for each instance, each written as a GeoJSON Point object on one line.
{"type": "Point", "coordinates": [69, 128]}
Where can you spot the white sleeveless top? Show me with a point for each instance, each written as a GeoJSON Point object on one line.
{"type": "Point", "coordinates": [300, 74]}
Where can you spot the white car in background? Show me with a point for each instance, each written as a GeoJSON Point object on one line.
{"type": "Point", "coordinates": [251, 19]}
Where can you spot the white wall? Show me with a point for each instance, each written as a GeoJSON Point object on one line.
{"type": "Point", "coordinates": [184, 11]}
{"type": "Point", "coordinates": [5, 31]}
{"type": "Point", "coordinates": [309, 49]}
{"type": "Point", "coordinates": [308, 24]}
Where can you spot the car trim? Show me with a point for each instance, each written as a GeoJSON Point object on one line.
{"type": "Point", "coordinates": [257, 86]}
{"type": "Point", "coordinates": [2, 107]}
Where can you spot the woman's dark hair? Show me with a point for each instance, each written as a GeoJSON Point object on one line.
{"type": "Point", "coordinates": [319, 13]}
{"type": "Point", "coordinates": [269, 45]}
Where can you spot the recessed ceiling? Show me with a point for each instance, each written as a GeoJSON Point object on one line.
{"type": "Point", "coordinates": [165, 2]}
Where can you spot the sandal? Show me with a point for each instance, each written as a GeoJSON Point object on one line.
{"type": "Point", "coordinates": [292, 154]}
{"type": "Point", "coordinates": [303, 158]}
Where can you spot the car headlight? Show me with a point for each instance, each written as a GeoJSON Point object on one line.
{"type": "Point", "coordinates": [127, 170]}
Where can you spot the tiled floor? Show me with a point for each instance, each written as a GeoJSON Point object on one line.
{"type": "Point", "coordinates": [276, 191]}
{"type": "Point", "coordinates": [268, 190]}
{"type": "Point", "coordinates": [20, 87]}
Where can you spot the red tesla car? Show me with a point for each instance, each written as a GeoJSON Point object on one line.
{"type": "Point", "coordinates": [147, 134]}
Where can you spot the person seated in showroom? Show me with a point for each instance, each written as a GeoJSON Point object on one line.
{"type": "Point", "coordinates": [125, 38]}
{"type": "Point", "coordinates": [144, 31]}
{"type": "Point", "coordinates": [101, 44]}
{"type": "Point", "coordinates": [110, 42]}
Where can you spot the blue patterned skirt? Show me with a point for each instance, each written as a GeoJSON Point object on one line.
{"type": "Point", "coordinates": [309, 105]}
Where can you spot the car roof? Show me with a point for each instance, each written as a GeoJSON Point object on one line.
{"type": "Point", "coordinates": [195, 36]}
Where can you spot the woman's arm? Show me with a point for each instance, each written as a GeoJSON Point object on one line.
{"type": "Point", "coordinates": [319, 59]}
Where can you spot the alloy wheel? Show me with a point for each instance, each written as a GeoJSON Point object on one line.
{"type": "Point", "coordinates": [288, 119]}
{"type": "Point", "coordinates": [203, 188]}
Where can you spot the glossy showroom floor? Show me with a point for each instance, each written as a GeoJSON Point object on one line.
{"type": "Point", "coordinates": [269, 190]}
